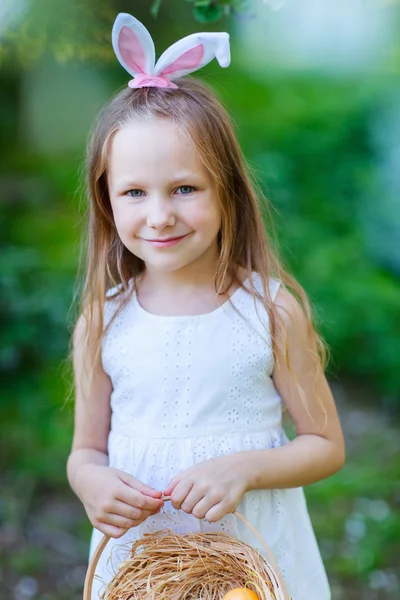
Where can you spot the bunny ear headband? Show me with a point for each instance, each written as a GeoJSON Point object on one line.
{"type": "Point", "coordinates": [135, 51]}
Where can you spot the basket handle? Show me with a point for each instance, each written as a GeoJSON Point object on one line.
{"type": "Point", "coordinates": [87, 590]}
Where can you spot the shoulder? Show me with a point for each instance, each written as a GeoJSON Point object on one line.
{"type": "Point", "coordinates": [88, 319]}
{"type": "Point", "coordinates": [295, 324]}
{"type": "Point", "coordinates": [87, 326]}
{"type": "Point", "coordinates": [118, 291]}
{"type": "Point", "coordinates": [91, 322]}
{"type": "Point", "coordinates": [272, 284]}
{"type": "Point", "coordinates": [288, 306]}
{"type": "Point", "coordinates": [115, 299]}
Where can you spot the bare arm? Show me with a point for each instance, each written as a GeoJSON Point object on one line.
{"type": "Point", "coordinates": [318, 451]}
{"type": "Point", "coordinates": [114, 500]}
{"type": "Point", "coordinates": [92, 414]}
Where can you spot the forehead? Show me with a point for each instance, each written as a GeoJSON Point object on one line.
{"type": "Point", "coordinates": [145, 147]}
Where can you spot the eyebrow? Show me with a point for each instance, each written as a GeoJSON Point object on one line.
{"type": "Point", "coordinates": [127, 185]}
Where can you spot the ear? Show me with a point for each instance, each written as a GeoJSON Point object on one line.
{"type": "Point", "coordinates": [133, 45]}
{"type": "Point", "coordinates": [192, 53]}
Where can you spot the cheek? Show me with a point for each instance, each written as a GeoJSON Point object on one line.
{"type": "Point", "coordinates": [126, 222]}
{"type": "Point", "coordinates": [207, 218]}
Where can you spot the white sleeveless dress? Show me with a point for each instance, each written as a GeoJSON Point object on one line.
{"type": "Point", "coordinates": [190, 388]}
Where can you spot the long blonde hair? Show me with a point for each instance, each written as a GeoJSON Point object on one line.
{"type": "Point", "coordinates": [243, 238]}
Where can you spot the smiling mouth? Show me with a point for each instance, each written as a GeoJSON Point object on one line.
{"type": "Point", "coordinates": [166, 242]}
{"type": "Point", "coordinates": [170, 239]}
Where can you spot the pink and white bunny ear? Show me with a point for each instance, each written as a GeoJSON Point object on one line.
{"type": "Point", "coordinates": [135, 51]}
{"type": "Point", "coordinates": [133, 45]}
{"type": "Point", "coordinates": [192, 53]}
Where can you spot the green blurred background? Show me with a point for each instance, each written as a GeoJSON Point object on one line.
{"type": "Point", "coordinates": [314, 90]}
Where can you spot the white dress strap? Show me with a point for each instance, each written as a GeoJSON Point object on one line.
{"type": "Point", "coordinates": [274, 285]}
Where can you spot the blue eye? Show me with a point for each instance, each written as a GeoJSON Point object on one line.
{"type": "Point", "coordinates": [186, 189]}
{"type": "Point", "coordinates": [135, 193]}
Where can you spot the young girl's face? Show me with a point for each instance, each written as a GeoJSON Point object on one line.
{"type": "Point", "coordinates": [164, 200]}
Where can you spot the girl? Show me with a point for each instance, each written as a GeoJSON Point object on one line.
{"type": "Point", "coordinates": [191, 336]}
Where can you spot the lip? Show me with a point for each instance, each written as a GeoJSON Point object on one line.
{"type": "Point", "coordinates": [166, 242]}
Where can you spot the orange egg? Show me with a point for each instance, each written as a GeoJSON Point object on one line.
{"type": "Point", "coordinates": [241, 594]}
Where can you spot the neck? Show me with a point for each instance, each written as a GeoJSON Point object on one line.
{"type": "Point", "coordinates": [187, 278]}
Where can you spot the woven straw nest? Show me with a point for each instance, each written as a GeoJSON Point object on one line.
{"type": "Point", "coordinates": [203, 566]}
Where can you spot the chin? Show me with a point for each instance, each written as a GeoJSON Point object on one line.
{"type": "Point", "coordinates": [170, 263]}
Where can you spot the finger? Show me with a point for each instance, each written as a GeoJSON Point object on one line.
{"type": "Point", "coordinates": [111, 530]}
{"type": "Point", "coordinates": [203, 506]}
{"type": "Point", "coordinates": [122, 522]}
{"type": "Point", "coordinates": [192, 499]}
{"type": "Point", "coordinates": [130, 512]}
{"type": "Point", "coordinates": [172, 485]}
{"type": "Point", "coordinates": [139, 485]}
{"type": "Point", "coordinates": [138, 500]}
{"type": "Point", "coordinates": [180, 492]}
{"type": "Point", "coordinates": [218, 511]}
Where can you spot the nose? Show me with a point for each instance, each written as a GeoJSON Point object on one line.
{"type": "Point", "coordinates": [160, 213]}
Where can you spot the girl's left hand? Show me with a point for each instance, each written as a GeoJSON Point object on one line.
{"type": "Point", "coordinates": [211, 489]}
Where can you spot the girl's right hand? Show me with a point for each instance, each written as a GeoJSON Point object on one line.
{"type": "Point", "coordinates": [114, 500]}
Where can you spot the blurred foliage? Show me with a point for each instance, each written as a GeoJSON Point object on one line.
{"type": "Point", "coordinates": [320, 169]}
{"type": "Point", "coordinates": [81, 30]}
{"type": "Point", "coordinates": [311, 142]}
{"type": "Point", "coordinates": [207, 11]}
{"type": "Point", "coordinates": [356, 513]}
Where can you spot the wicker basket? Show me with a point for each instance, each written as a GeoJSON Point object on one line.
{"type": "Point", "coordinates": [269, 570]}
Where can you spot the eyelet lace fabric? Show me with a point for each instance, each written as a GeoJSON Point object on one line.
{"type": "Point", "coordinates": [191, 388]}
